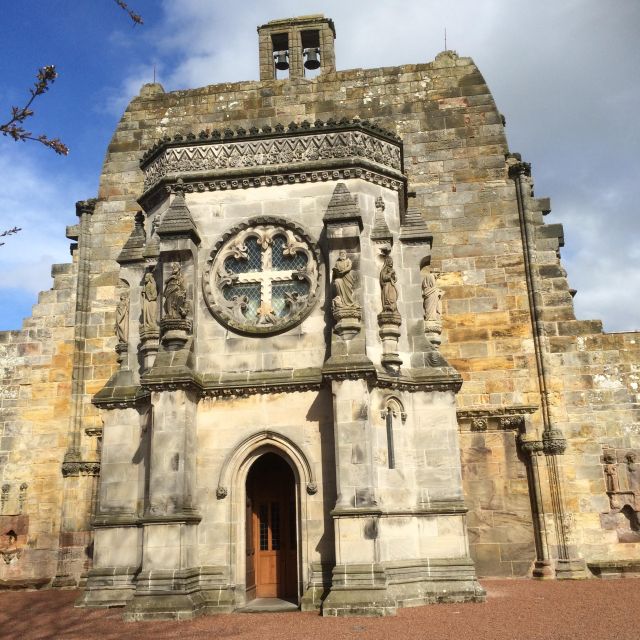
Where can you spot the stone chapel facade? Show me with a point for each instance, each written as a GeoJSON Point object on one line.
{"type": "Point", "coordinates": [315, 343]}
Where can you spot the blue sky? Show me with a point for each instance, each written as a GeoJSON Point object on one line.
{"type": "Point", "coordinates": [564, 74]}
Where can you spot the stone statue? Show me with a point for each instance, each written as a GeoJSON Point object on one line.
{"type": "Point", "coordinates": [388, 291]}
{"type": "Point", "coordinates": [344, 282]}
{"type": "Point", "coordinates": [149, 304]}
{"type": "Point", "coordinates": [122, 319]}
{"type": "Point", "coordinates": [239, 304]}
{"type": "Point", "coordinates": [633, 468]}
{"type": "Point", "coordinates": [175, 295]}
{"type": "Point", "coordinates": [432, 298]}
{"type": "Point", "coordinates": [611, 473]}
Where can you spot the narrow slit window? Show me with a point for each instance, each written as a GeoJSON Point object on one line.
{"type": "Point", "coordinates": [391, 457]}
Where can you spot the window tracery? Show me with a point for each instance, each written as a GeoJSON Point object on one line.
{"type": "Point", "coordinates": [262, 279]}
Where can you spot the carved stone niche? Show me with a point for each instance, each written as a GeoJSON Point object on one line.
{"type": "Point", "coordinates": [622, 478]}
{"type": "Point", "coordinates": [262, 277]}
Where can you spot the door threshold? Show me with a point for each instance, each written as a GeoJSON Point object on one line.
{"type": "Point", "coordinates": [268, 605]}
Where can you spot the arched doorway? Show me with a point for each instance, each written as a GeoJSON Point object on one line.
{"type": "Point", "coordinates": [271, 535]}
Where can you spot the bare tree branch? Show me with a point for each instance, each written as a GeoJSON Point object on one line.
{"type": "Point", "coordinates": [13, 127]}
{"type": "Point", "coordinates": [46, 77]}
{"type": "Point", "coordinates": [9, 232]}
{"type": "Point", "coordinates": [137, 19]}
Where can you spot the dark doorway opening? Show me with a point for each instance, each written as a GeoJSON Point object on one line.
{"type": "Point", "coordinates": [271, 536]}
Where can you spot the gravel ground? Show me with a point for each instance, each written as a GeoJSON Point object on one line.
{"type": "Point", "coordinates": [527, 609]}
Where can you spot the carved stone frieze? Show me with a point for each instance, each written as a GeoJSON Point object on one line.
{"type": "Point", "coordinates": [80, 469]}
{"type": "Point", "coordinates": [277, 148]}
{"type": "Point", "coordinates": [494, 419]}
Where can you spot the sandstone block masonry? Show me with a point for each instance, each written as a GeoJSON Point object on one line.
{"type": "Point", "coordinates": [548, 415]}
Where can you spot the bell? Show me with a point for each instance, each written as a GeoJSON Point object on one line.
{"type": "Point", "coordinates": [281, 60]}
{"type": "Point", "coordinates": [312, 61]}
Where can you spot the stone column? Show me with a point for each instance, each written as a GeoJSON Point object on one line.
{"type": "Point", "coordinates": [118, 539]}
{"type": "Point", "coordinates": [569, 564]}
{"type": "Point", "coordinates": [359, 582]}
{"type": "Point", "coordinates": [532, 450]}
{"type": "Point", "coordinates": [78, 474]}
{"type": "Point", "coordinates": [170, 518]}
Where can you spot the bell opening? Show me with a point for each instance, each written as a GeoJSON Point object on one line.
{"type": "Point", "coordinates": [280, 44]}
{"type": "Point", "coordinates": [312, 61]}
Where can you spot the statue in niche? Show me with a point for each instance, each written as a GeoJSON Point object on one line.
{"type": "Point", "coordinates": [611, 473]}
{"type": "Point", "coordinates": [432, 298]}
{"type": "Point", "coordinates": [388, 291]}
{"type": "Point", "coordinates": [175, 295]}
{"type": "Point", "coordinates": [633, 468]}
{"type": "Point", "coordinates": [122, 319]}
{"type": "Point", "coordinates": [149, 304]}
{"type": "Point", "coordinates": [344, 282]}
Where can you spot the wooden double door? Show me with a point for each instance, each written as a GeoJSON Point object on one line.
{"type": "Point", "coordinates": [271, 537]}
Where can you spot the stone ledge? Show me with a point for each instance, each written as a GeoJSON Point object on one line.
{"type": "Point", "coordinates": [435, 508]}
{"type": "Point", "coordinates": [608, 569]}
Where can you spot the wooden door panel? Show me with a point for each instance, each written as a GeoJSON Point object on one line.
{"type": "Point", "coordinates": [271, 535]}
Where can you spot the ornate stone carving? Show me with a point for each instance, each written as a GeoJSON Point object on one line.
{"type": "Point", "coordinates": [611, 472]}
{"type": "Point", "coordinates": [149, 323]}
{"type": "Point", "coordinates": [312, 488]}
{"type": "Point", "coordinates": [175, 324]}
{"type": "Point", "coordinates": [432, 298]}
{"type": "Point", "coordinates": [221, 493]}
{"type": "Point", "coordinates": [389, 319]}
{"type": "Point", "coordinates": [479, 424]}
{"type": "Point", "coordinates": [80, 469]}
{"type": "Point", "coordinates": [554, 442]}
{"type": "Point", "coordinates": [262, 279]}
{"type": "Point", "coordinates": [388, 291]}
{"type": "Point", "coordinates": [633, 470]}
{"type": "Point", "coordinates": [346, 311]}
{"type": "Point", "coordinates": [511, 422]}
{"type": "Point", "coordinates": [432, 308]}
{"type": "Point", "coordinates": [344, 282]}
{"type": "Point", "coordinates": [622, 491]}
{"type": "Point", "coordinates": [287, 149]}
{"type": "Point", "coordinates": [4, 496]}
{"type": "Point", "coordinates": [176, 306]}
{"type": "Point", "coordinates": [22, 496]}
{"type": "Point", "coordinates": [122, 318]}
{"type": "Point", "coordinates": [530, 447]}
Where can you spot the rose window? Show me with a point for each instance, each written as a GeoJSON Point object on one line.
{"type": "Point", "coordinates": [262, 279]}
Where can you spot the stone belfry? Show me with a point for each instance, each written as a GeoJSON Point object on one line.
{"type": "Point", "coordinates": [282, 423]}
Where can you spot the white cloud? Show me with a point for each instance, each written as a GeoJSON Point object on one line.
{"type": "Point", "coordinates": [41, 203]}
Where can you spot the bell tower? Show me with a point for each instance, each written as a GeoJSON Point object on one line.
{"type": "Point", "coordinates": [297, 46]}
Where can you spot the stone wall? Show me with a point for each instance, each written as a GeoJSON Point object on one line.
{"type": "Point", "coordinates": [454, 150]}
{"type": "Point", "coordinates": [35, 399]}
